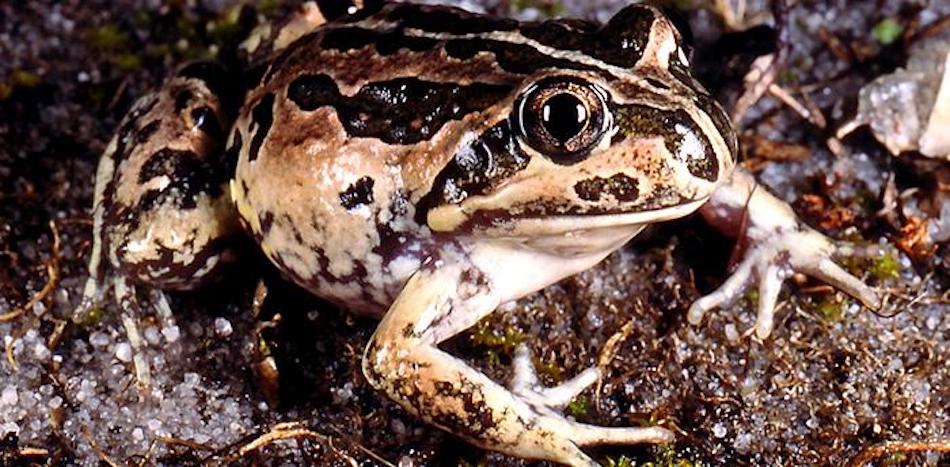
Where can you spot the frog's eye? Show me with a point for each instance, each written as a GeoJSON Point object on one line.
{"type": "Point", "coordinates": [562, 118]}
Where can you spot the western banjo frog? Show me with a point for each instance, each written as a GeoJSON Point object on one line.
{"type": "Point", "coordinates": [426, 165]}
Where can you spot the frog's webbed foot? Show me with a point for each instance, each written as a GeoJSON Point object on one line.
{"type": "Point", "coordinates": [526, 385]}
{"type": "Point", "coordinates": [403, 360]}
{"type": "Point", "coordinates": [780, 245]}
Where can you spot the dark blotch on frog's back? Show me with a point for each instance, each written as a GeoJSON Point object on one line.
{"type": "Point", "coordinates": [399, 111]}
{"type": "Point", "coordinates": [262, 117]}
{"type": "Point", "coordinates": [620, 186]}
{"type": "Point", "coordinates": [386, 43]}
{"type": "Point", "coordinates": [188, 177]}
{"type": "Point", "coordinates": [360, 193]}
{"type": "Point", "coordinates": [638, 121]}
{"type": "Point", "coordinates": [232, 153]}
{"type": "Point", "coordinates": [169, 163]}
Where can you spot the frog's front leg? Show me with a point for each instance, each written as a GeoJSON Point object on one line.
{"type": "Point", "coordinates": [780, 245]}
{"type": "Point", "coordinates": [403, 359]}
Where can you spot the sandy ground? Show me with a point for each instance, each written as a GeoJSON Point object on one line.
{"type": "Point", "coordinates": [833, 379]}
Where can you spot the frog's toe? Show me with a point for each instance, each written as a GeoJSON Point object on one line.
{"type": "Point", "coordinates": [728, 292]}
{"type": "Point", "coordinates": [526, 385]}
{"type": "Point", "coordinates": [828, 271]}
{"type": "Point", "coordinates": [587, 435]}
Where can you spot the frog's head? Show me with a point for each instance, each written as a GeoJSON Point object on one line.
{"type": "Point", "coordinates": [625, 136]}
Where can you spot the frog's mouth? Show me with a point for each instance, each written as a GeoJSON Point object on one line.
{"type": "Point", "coordinates": [546, 222]}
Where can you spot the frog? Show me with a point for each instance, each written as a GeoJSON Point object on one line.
{"type": "Point", "coordinates": [426, 165]}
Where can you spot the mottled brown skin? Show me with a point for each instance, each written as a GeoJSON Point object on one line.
{"type": "Point", "coordinates": [426, 165]}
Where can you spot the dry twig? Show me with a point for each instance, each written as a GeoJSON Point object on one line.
{"type": "Point", "coordinates": [887, 448]}
{"type": "Point", "coordinates": [52, 270]}
{"type": "Point", "coordinates": [280, 431]}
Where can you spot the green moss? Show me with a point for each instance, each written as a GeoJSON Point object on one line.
{"type": "Point", "coordinates": [495, 344]}
{"type": "Point", "coordinates": [579, 407]}
{"type": "Point", "coordinates": [6, 91]}
{"type": "Point", "coordinates": [887, 31]}
{"type": "Point", "coordinates": [159, 50]}
{"type": "Point", "coordinates": [226, 27]}
{"type": "Point", "coordinates": [25, 79]}
{"type": "Point", "coordinates": [108, 37]}
{"type": "Point", "coordinates": [128, 62]}
{"type": "Point", "coordinates": [549, 369]}
{"type": "Point", "coordinates": [886, 267]}
{"type": "Point", "coordinates": [144, 19]}
{"type": "Point", "coordinates": [622, 461]}
{"type": "Point", "coordinates": [830, 310]}
{"type": "Point", "coordinates": [268, 7]}
{"type": "Point", "coordinates": [788, 76]}
{"type": "Point", "coordinates": [91, 317]}
{"type": "Point", "coordinates": [547, 8]}
{"type": "Point", "coordinates": [897, 458]}
{"type": "Point", "coordinates": [751, 297]}
{"type": "Point", "coordinates": [668, 456]}
{"type": "Point", "coordinates": [683, 5]}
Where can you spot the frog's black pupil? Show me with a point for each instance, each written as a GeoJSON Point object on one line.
{"type": "Point", "coordinates": [564, 116]}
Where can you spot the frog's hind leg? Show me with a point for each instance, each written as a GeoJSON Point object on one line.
{"type": "Point", "coordinates": [403, 359]}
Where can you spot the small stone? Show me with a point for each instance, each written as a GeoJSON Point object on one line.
{"type": "Point", "coordinates": [932, 322]}
{"type": "Point", "coordinates": [222, 327]}
{"type": "Point", "coordinates": [719, 430]}
{"type": "Point", "coordinates": [99, 339]}
{"type": "Point", "coordinates": [192, 379]}
{"type": "Point", "coordinates": [138, 434]}
{"type": "Point", "coordinates": [152, 335]}
{"type": "Point", "coordinates": [40, 351]}
{"type": "Point", "coordinates": [171, 333]}
{"type": "Point", "coordinates": [732, 334]}
{"type": "Point", "coordinates": [9, 396]}
{"type": "Point", "coordinates": [123, 351]}
{"type": "Point", "coordinates": [742, 443]}
{"type": "Point", "coordinates": [9, 427]}
{"type": "Point", "coordinates": [55, 403]}
{"type": "Point", "coordinates": [398, 427]}
{"type": "Point", "coordinates": [154, 425]}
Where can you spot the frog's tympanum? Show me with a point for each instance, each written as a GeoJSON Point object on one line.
{"type": "Point", "coordinates": [426, 165]}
